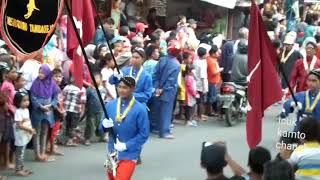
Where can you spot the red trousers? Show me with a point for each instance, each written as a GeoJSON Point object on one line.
{"type": "Point", "coordinates": [55, 131]}
{"type": "Point", "coordinates": [124, 171]}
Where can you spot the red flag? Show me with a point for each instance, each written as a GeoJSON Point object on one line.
{"type": "Point", "coordinates": [264, 85]}
{"type": "Point", "coordinates": [83, 14]}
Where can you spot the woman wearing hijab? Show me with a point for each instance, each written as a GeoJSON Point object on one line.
{"type": "Point", "coordinates": [227, 60]}
{"type": "Point", "coordinates": [43, 92]}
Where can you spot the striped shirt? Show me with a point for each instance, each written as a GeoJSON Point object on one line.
{"type": "Point", "coordinates": [74, 98]}
{"type": "Point", "coordinates": [307, 159]}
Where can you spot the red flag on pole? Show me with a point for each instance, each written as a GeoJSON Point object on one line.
{"type": "Point", "coordinates": [83, 14]}
{"type": "Point", "coordinates": [264, 85]}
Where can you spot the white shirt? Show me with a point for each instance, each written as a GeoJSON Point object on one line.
{"type": "Point", "coordinates": [111, 88]}
{"type": "Point", "coordinates": [30, 71]}
{"type": "Point", "coordinates": [201, 75]}
{"type": "Point", "coordinates": [22, 137]}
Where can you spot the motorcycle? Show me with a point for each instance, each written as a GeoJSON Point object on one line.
{"type": "Point", "coordinates": [233, 102]}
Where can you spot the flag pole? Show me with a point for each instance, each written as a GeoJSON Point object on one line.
{"type": "Point", "coordinates": [105, 36]}
{"type": "Point", "coordinates": [287, 82]}
{"type": "Point", "coordinates": [110, 130]}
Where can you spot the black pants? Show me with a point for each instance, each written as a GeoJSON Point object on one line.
{"type": "Point", "coordinates": [72, 120]}
{"type": "Point", "coordinates": [189, 112]}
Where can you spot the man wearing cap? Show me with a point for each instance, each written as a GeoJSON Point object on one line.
{"type": "Point", "coordinates": [129, 120]}
{"type": "Point", "coordinates": [303, 67]}
{"type": "Point", "coordinates": [121, 54]}
{"type": "Point", "coordinates": [165, 82]}
{"type": "Point", "coordinates": [288, 58]}
{"type": "Point", "coordinates": [308, 102]}
{"type": "Point", "coordinates": [143, 90]}
{"type": "Point", "coordinates": [213, 160]}
{"type": "Point", "coordinates": [140, 29]}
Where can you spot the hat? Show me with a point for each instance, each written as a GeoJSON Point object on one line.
{"type": "Point", "coordinates": [192, 21]}
{"type": "Point", "coordinates": [213, 155]}
{"type": "Point", "coordinates": [140, 51]}
{"type": "Point", "coordinates": [129, 81]}
{"type": "Point", "coordinates": [140, 26]}
{"type": "Point", "coordinates": [315, 72]}
{"type": "Point", "coordinates": [290, 38]}
{"type": "Point", "coordinates": [117, 39]}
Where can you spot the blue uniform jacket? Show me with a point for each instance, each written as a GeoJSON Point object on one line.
{"type": "Point", "coordinates": [166, 77]}
{"type": "Point", "coordinates": [301, 97]}
{"type": "Point", "coordinates": [133, 130]}
{"type": "Point", "coordinates": [143, 90]}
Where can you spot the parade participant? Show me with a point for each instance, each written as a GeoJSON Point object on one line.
{"type": "Point", "coordinates": [44, 97]}
{"type": "Point", "coordinates": [152, 54]}
{"type": "Point", "coordinates": [288, 58]}
{"type": "Point", "coordinates": [143, 90]}
{"type": "Point", "coordinates": [303, 67]}
{"type": "Point", "coordinates": [129, 119]}
{"type": "Point", "coordinates": [165, 84]}
{"type": "Point", "coordinates": [308, 101]}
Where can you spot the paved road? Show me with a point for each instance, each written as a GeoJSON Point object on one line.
{"type": "Point", "coordinates": [162, 159]}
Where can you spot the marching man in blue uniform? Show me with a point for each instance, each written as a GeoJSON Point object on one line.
{"type": "Point", "coordinates": [129, 120]}
{"type": "Point", "coordinates": [308, 101]}
{"type": "Point", "coordinates": [143, 91]}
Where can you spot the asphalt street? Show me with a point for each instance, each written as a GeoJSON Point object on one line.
{"type": "Point", "coordinates": [176, 159]}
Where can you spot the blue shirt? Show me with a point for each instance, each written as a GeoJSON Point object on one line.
{"type": "Point", "coordinates": [143, 90]}
{"type": "Point", "coordinates": [166, 77]}
{"type": "Point", "coordinates": [301, 97]}
{"type": "Point", "coordinates": [133, 130]}
{"type": "Point", "coordinates": [99, 37]}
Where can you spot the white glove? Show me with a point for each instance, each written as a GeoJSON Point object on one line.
{"type": "Point", "coordinates": [120, 146]}
{"type": "Point", "coordinates": [298, 106]}
{"type": "Point", "coordinates": [107, 123]}
{"type": "Point", "coordinates": [118, 76]}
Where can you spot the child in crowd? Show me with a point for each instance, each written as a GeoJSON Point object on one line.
{"type": "Point", "coordinates": [20, 83]}
{"type": "Point", "coordinates": [8, 75]}
{"type": "Point", "coordinates": [202, 81]}
{"type": "Point", "coordinates": [191, 95]}
{"type": "Point", "coordinates": [74, 101]}
{"type": "Point", "coordinates": [44, 98]}
{"type": "Point", "coordinates": [59, 114]}
{"type": "Point", "coordinates": [4, 115]}
{"type": "Point", "coordinates": [182, 85]}
{"type": "Point", "coordinates": [107, 72]}
{"type": "Point", "coordinates": [93, 110]}
{"type": "Point", "coordinates": [23, 131]}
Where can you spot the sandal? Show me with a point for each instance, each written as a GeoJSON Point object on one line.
{"type": "Point", "coordinates": [22, 173]}
{"type": "Point", "coordinates": [71, 144]}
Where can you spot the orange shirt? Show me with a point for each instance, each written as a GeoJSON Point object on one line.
{"type": "Point", "coordinates": [214, 76]}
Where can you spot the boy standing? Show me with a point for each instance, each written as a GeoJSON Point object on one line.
{"type": "Point", "coordinates": [74, 101]}
{"type": "Point", "coordinates": [214, 78]}
{"type": "Point", "coordinates": [201, 81]}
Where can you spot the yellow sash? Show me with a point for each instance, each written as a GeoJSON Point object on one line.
{"type": "Point", "coordinates": [119, 116]}
{"type": "Point", "coordinates": [138, 75]}
{"type": "Point", "coordinates": [314, 104]}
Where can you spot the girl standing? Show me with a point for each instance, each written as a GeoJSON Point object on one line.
{"type": "Point", "coordinates": [23, 131]}
{"type": "Point", "coordinates": [8, 75]}
{"type": "Point", "coordinates": [191, 95]}
{"type": "Point", "coordinates": [44, 97]}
